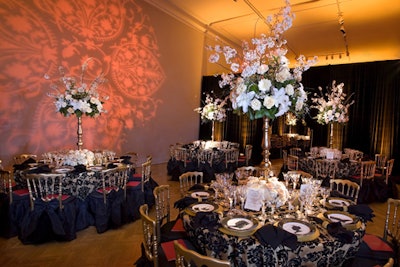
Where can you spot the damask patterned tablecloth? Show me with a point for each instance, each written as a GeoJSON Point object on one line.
{"type": "Point", "coordinates": [79, 185]}
{"type": "Point", "coordinates": [346, 168]}
{"type": "Point", "coordinates": [248, 251]}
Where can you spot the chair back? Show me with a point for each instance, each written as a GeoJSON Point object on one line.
{"type": "Point", "coordinates": [150, 237]}
{"type": "Point", "coordinates": [6, 183]}
{"type": "Point", "coordinates": [45, 187]}
{"type": "Point", "coordinates": [345, 187]}
{"type": "Point", "coordinates": [295, 151]}
{"type": "Point", "coordinates": [391, 231]}
{"type": "Point", "coordinates": [367, 171]}
{"type": "Point", "coordinates": [325, 168]}
{"type": "Point", "coordinates": [181, 154]}
{"type": "Point", "coordinates": [162, 204]}
{"type": "Point", "coordinates": [187, 257]}
{"type": "Point", "coordinates": [205, 156]}
{"type": "Point", "coordinates": [285, 158]}
{"type": "Point", "coordinates": [188, 179]}
{"type": "Point", "coordinates": [146, 172]}
{"type": "Point", "coordinates": [380, 160]}
{"type": "Point", "coordinates": [231, 156]}
{"type": "Point", "coordinates": [292, 162]}
{"type": "Point", "coordinates": [248, 151]}
{"type": "Point", "coordinates": [114, 179]}
{"type": "Point", "coordinates": [389, 169]}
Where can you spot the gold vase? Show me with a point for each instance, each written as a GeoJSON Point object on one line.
{"type": "Point", "coordinates": [80, 133]}
{"type": "Point", "coordinates": [331, 135]}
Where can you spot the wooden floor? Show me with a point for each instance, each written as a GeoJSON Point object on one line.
{"type": "Point", "coordinates": [120, 247]}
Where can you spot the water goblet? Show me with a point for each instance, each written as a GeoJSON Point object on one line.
{"type": "Point", "coordinates": [325, 192]}
{"type": "Point", "coordinates": [286, 177]}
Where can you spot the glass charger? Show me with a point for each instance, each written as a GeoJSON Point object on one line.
{"type": "Point", "coordinates": [239, 225]}
{"type": "Point", "coordinates": [303, 230]}
{"type": "Point", "coordinates": [348, 221]}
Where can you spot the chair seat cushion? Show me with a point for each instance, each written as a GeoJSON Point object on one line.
{"type": "Point", "coordinates": [133, 183]}
{"type": "Point", "coordinates": [169, 250]}
{"type": "Point", "coordinates": [376, 243]}
{"type": "Point", "coordinates": [21, 192]}
{"type": "Point", "coordinates": [167, 234]}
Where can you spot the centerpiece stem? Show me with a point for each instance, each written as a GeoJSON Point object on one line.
{"type": "Point", "coordinates": [80, 133]}
{"type": "Point", "coordinates": [212, 130]}
{"type": "Point", "coordinates": [267, 144]}
{"type": "Point", "coordinates": [331, 135]}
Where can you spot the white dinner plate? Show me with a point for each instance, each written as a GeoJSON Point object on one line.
{"type": "Point", "coordinates": [240, 224]}
{"type": "Point", "coordinates": [95, 168]}
{"type": "Point", "coordinates": [201, 194]}
{"type": "Point", "coordinates": [303, 230]}
{"type": "Point", "coordinates": [62, 170]}
{"type": "Point", "coordinates": [296, 227]}
{"type": "Point", "coordinates": [203, 207]}
{"type": "Point", "coordinates": [340, 217]}
{"type": "Point", "coordinates": [339, 202]}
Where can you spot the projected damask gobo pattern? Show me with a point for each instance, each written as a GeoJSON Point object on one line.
{"type": "Point", "coordinates": [36, 37]}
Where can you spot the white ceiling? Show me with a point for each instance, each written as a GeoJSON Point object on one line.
{"type": "Point", "coordinates": [371, 26]}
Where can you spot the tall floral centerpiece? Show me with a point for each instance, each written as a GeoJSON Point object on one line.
{"type": "Point", "coordinates": [333, 107]}
{"type": "Point", "coordinates": [78, 97]}
{"type": "Point", "coordinates": [262, 85]}
{"type": "Point", "coordinates": [213, 110]}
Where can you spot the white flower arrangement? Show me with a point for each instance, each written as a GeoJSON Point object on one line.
{"type": "Point", "coordinates": [79, 97]}
{"type": "Point", "coordinates": [261, 82]}
{"type": "Point", "coordinates": [332, 106]}
{"type": "Point", "coordinates": [213, 110]}
{"type": "Point", "coordinates": [79, 157]}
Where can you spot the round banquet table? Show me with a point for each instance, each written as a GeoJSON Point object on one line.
{"type": "Point", "coordinates": [247, 251]}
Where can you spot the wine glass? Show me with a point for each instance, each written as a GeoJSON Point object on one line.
{"type": "Point", "coordinates": [295, 177]}
{"type": "Point", "coordinates": [325, 192]}
{"type": "Point", "coordinates": [286, 177]}
{"type": "Point", "coordinates": [242, 194]}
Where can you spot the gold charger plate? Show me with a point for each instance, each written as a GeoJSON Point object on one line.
{"type": "Point", "coordinates": [239, 225]}
{"type": "Point", "coordinates": [201, 207]}
{"type": "Point", "coordinates": [303, 230]}
{"type": "Point", "coordinates": [338, 203]}
{"type": "Point", "coordinates": [348, 221]}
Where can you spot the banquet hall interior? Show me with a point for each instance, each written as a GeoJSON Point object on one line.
{"type": "Point", "coordinates": [149, 61]}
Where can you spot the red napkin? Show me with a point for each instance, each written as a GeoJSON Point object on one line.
{"type": "Point", "coordinates": [169, 249]}
{"type": "Point", "coordinates": [178, 226]}
{"type": "Point", "coordinates": [375, 243]}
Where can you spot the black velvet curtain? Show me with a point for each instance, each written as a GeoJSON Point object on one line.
{"type": "Point", "coordinates": [374, 117]}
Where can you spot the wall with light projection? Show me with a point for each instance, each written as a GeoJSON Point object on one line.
{"type": "Point", "coordinates": [152, 64]}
